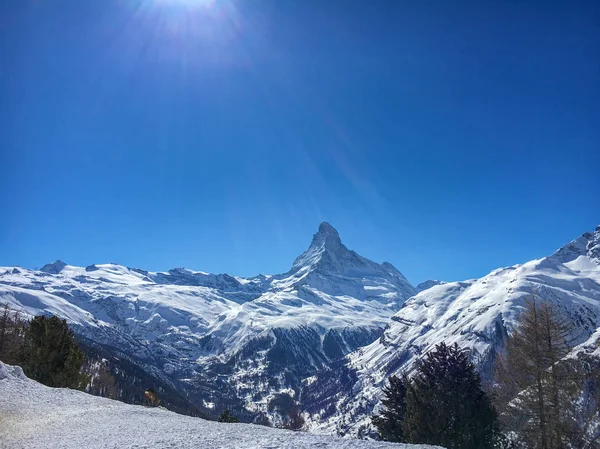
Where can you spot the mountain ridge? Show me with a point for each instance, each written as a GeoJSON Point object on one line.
{"type": "Point", "coordinates": [478, 314]}
{"type": "Point", "coordinates": [328, 332]}
{"type": "Point", "coordinates": [190, 328]}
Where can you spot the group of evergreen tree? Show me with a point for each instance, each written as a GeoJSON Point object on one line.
{"type": "Point", "coordinates": [541, 399]}
{"type": "Point", "coordinates": [442, 404]}
{"type": "Point", "coordinates": [44, 347]}
{"type": "Point", "coordinates": [50, 354]}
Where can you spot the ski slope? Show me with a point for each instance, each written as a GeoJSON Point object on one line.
{"type": "Point", "coordinates": [34, 416]}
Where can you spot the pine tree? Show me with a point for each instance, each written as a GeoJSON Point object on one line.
{"type": "Point", "coordinates": [50, 354]}
{"type": "Point", "coordinates": [226, 416]}
{"type": "Point", "coordinates": [445, 404]}
{"type": "Point", "coordinates": [389, 422]}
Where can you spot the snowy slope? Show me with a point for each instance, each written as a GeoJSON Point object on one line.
{"type": "Point", "coordinates": [196, 331]}
{"type": "Point", "coordinates": [35, 416]}
{"type": "Point", "coordinates": [477, 314]}
{"type": "Point", "coordinates": [428, 284]}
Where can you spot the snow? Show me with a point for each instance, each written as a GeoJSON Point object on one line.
{"type": "Point", "coordinates": [183, 321]}
{"type": "Point", "coordinates": [476, 314]}
{"type": "Point", "coordinates": [328, 286]}
{"type": "Point", "coordinates": [428, 284]}
{"type": "Point", "coordinates": [35, 416]}
{"type": "Point", "coordinates": [192, 320]}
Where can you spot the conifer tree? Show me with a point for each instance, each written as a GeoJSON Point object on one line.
{"type": "Point", "coordinates": [226, 416]}
{"type": "Point", "coordinates": [445, 404]}
{"type": "Point", "coordinates": [50, 354]}
{"type": "Point", "coordinates": [389, 422]}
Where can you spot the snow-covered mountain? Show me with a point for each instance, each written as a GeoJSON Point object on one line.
{"type": "Point", "coordinates": [221, 339]}
{"type": "Point", "coordinates": [477, 314]}
{"type": "Point", "coordinates": [328, 332]}
{"type": "Point", "coordinates": [428, 284]}
{"type": "Point", "coordinates": [36, 416]}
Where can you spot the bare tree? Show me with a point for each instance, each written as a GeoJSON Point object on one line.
{"type": "Point", "coordinates": [539, 390]}
{"type": "Point", "coordinates": [4, 315]}
{"type": "Point", "coordinates": [12, 329]}
{"type": "Point", "coordinates": [102, 382]}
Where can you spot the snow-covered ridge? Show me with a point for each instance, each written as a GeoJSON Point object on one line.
{"type": "Point", "coordinates": [36, 416]}
{"type": "Point", "coordinates": [428, 284]}
{"type": "Point", "coordinates": [194, 328]}
{"type": "Point", "coordinates": [477, 314]}
{"type": "Point", "coordinates": [248, 341]}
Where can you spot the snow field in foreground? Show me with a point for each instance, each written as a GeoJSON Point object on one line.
{"type": "Point", "coordinates": [35, 416]}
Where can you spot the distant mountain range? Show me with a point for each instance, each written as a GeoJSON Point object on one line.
{"type": "Point", "coordinates": [327, 333]}
{"type": "Point", "coordinates": [221, 340]}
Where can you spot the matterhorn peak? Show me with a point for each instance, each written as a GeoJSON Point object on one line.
{"type": "Point", "coordinates": [326, 240]}
{"type": "Point", "coordinates": [333, 268]}
{"type": "Point", "coordinates": [326, 228]}
{"type": "Point", "coordinates": [326, 234]}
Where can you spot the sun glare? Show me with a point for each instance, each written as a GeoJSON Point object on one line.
{"type": "Point", "coordinates": [187, 3]}
{"type": "Point", "coordinates": [190, 34]}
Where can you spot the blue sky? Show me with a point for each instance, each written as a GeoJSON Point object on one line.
{"type": "Point", "coordinates": [449, 138]}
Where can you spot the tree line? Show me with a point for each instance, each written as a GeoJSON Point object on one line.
{"type": "Point", "coordinates": [50, 353]}
{"type": "Point", "coordinates": [539, 398]}
{"type": "Point", "coordinates": [44, 347]}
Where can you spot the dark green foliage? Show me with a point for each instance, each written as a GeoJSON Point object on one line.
{"type": "Point", "coordinates": [50, 354]}
{"type": "Point", "coordinates": [389, 422]}
{"type": "Point", "coordinates": [12, 330]}
{"type": "Point", "coordinates": [227, 417]}
{"type": "Point", "coordinates": [445, 404]}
